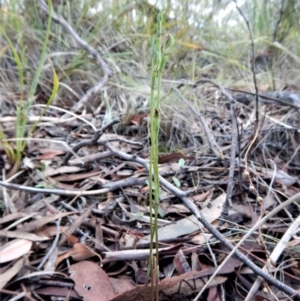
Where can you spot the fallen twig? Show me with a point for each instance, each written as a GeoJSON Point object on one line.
{"type": "Point", "coordinates": [89, 142]}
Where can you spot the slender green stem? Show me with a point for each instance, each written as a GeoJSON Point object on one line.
{"type": "Point", "coordinates": [159, 51]}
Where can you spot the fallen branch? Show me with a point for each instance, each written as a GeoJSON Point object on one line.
{"type": "Point", "coordinates": [89, 142]}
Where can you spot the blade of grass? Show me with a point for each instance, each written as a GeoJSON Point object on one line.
{"type": "Point", "coordinates": [24, 107]}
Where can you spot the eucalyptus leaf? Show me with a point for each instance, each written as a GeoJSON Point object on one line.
{"type": "Point", "coordinates": [176, 181]}
{"type": "Point", "coordinates": [181, 162]}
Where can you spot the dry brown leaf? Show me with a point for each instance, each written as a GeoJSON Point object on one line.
{"type": "Point", "coordinates": [60, 185]}
{"type": "Point", "coordinates": [138, 119]}
{"type": "Point", "coordinates": [185, 284]}
{"type": "Point", "coordinates": [14, 249]}
{"type": "Point", "coordinates": [190, 224]}
{"type": "Point", "coordinates": [127, 241]}
{"type": "Point", "coordinates": [174, 157]}
{"type": "Point", "coordinates": [49, 154]}
{"type": "Point", "coordinates": [91, 282]}
{"type": "Point", "coordinates": [294, 242]}
{"type": "Point", "coordinates": [50, 230]}
{"type": "Point", "coordinates": [244, 209]}
{"type": "Point", "coordinates": [174, 208]}
{"type": "Point", "coordinates": [11, 272]}
{"type": "Point", "coordinates": [199, 239]}
{"type": "Point", "coordinates": [78, 252]}
{"type": "Point", "coordinates": [121, 285]}
{"type": "Point", "coordinates": [195, 263]}
{"type": "Point", "coordinates": [212, 212]}
{"type": "Point", "coordinates": [76, 224]}
{"type": "Point", "coordinates": [72, 240]}
{"type": "Point", "coordinates": [57, 292]}
{"type": "Point", "coordinates": [34, 225]}
{"type": "Point", "coordinates": [76, 177]}
{"type": "Point", "coordinates": [49, 172]}
{"type": "Point", "coordinates": [213, 294]}
{"type": "Point", "coordinates": [25, 235]}
{"type": "Point", "coordinates": [180, 263]}
{"type": "Point", "coordinates": [295, 266]}
{"type": "Point", "coordinates": [202, 196]}
{"type": "Point", "coordinates": [15, 216]}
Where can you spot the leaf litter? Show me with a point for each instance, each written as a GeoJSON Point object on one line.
{"type": "Point", "coordinates": [105, 224]}
{"type": "Point", "coordinates": [61, 241]}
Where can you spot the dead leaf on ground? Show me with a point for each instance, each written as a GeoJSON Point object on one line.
{"type": "Point", "coordinates": [34, 225]}
{"type": "Point", "coordinates": [91, 282]}
{"type": "Point", "coordinates": [50, 172]}
{"type": "Point", "coordinates": [14, 249]}
{"type": "Point", "coordinates": [11, 272]}
{"type": "Point", "coordinates": [78, 252]}
{"type": "Point", "coordinates": [57, 292]}
{"type": "Point", "coordinates": [75, 224]}
{"type": "Point", "coordinates": [24, 235]}
{"type": "Point", "coordinates": [15, 216]}
{"type": "Point", "coordinates": [185, 284]}
{"type": "Point", "coordinates": [121, 285]}
{"type": "Point", "coordinates": [48, 154]}
{"type": "Point", "coordinates": [202, 196]}
{"type": "Point", "coordinates": [190, 224]}
{"type": "Point", "coordinates": [76, 177]}
{"type": "Point", "coordinates": [49, 231]}
{"type": "Point", "coordinates": [174, 157]}
{"type": "Point", "coordinates": [180, 263]}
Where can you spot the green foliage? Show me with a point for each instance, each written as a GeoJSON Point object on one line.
{"type": "Point", "coordinates": [19, 57]}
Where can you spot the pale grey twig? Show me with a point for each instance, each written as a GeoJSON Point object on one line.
{"type": "Point", "coordinates": [89, 142]}
{"type": "Point", "coordinates": [53, 246]}
{"type": "Point", "coordinates": [274, 256]}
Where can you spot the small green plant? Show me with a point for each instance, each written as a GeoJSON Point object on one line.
{"type": "Point", "coordinates": [24, 107]}
{"type": "Point", "coordinates": [160, 49]}
{"type": "Point", "coordinates": [174, 178]}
